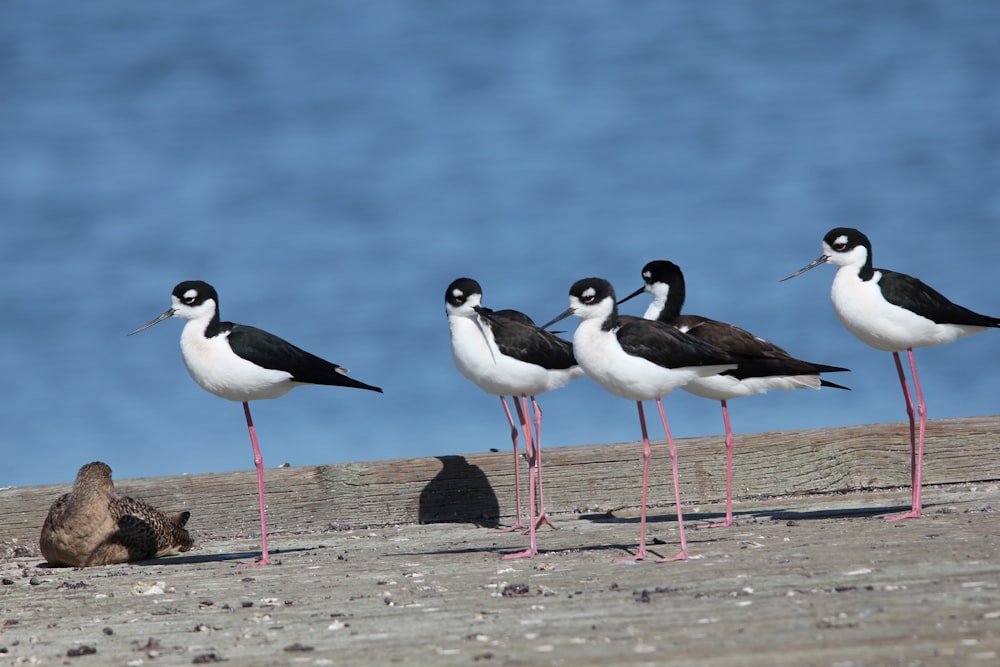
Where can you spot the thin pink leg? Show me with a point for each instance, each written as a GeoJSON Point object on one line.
{"type": "Point", "coordinates": [543, 519]}
{"type": "Point", "coordinates": [683, 553]}
{"type": "Point", "coordinates": [909, 412]}
{"type": "Point", "coordinates": [729, 473]}
{"type": "Point", "coordinates": [640, 553]}
{"type": "Point", "coordinates": [258, 461]}
{"type": "Point", "coordinates": [517, 475]}
{"type": "Point", "coordinates": [529, 445]}
{"type": "Point", "coordinates": [916, 440]}
{"type": "Point", "coordinates": [918, 477]}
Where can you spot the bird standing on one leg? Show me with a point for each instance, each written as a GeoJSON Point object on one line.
{"type": "Point", "coordinates": [95, 525]}
{"type": "Point", "coordinates": [504, 353]}
{"type": "Point", "coordinates": [641, 360]}
{"type": "Point", "coordinates": [242, 363]}
{"type": "Point", "coordinates": [893, 312]}
{"type": "Point", "coordinates": [763, 365]}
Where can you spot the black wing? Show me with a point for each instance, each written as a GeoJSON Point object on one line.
{"type": "Point", "coordinates": [757, 357]}
{"type": "Point", "coordinates": [667, 346]}
{"type": "Point", "coordinates": [268, 351]}
{"type": "Point", "coordinates": [913, 294]}
{"type": "Point", "coordinates": [517, 336]}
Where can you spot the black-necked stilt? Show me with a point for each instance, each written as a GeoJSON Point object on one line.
{"type": "Point", "coordinates": [641, 360]}
{"type": "Point", "coordinates": [243, 363]}
{"type": "Point", "coordinates": [893, 312]}
{"type": "Point", "coordinates": [763, 366]}
{"type": "Point", "coordinates": [504, 353]}
{"type": "Point", "coordinates": [95, 525]}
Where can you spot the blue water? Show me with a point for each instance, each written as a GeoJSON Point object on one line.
{"type": "Point", "coordinates": [331, 166]}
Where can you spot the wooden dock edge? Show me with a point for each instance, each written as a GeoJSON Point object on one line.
{"type": "Point", "coordinates": [594, 478]}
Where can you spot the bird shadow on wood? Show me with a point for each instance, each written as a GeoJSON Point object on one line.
{"type": "Point", "coordinates": [757, 514]}
{"type": "Point", "coordinates": [831, 513]}
{"type": "Point", "coordinates": [460, 492]}
{"type": "Point", "coordinates": [167, 560]}
{"type": "Point", "coordinates": [453, 551]}
{"type": "Point", "coordinates": [217, 558]}
{"type": "Point", "coordinates": [611, 517]}
{"type": "Point", "coordinates": [623, 550]}
{"type": "Point", "coordinates": [656, 547]}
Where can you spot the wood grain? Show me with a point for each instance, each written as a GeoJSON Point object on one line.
{"type": "Point", "coordinates": [479, 487]}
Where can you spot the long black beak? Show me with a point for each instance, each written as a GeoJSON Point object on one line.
{"type": "Point", "coordinates": [562, 316]}
{"type": "Point", "coordinates": [632, 295]}
{"type": "Point", "coordinates": [167, 314]}
{"type": "Point", "coordinates": [822, 259]}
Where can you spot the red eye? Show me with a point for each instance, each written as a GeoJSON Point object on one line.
{"type": "Point", "coordinates": [840, 245]}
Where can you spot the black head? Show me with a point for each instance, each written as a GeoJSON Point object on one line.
{"type": "Point", "coordinates": [665, 282]}
{"type": "Point", "coordinates": [662, 271]}
{"type": "Point", "coordinates": [189, 302]}
{"type": "Point", "coordinates": [843, 246]}
{"type": "Point", "coordinates": [460, 290]}
{"type": "Point", "coordinates": [463, 298]}
{"type": "Point", "coordinates": [589, 297]}
{"type": "Point", "coordinates": [194, 293]}
{"type": "Point", "coordinates": [846, 239]}
{"type": "Point", "coordinates": [591, 290]}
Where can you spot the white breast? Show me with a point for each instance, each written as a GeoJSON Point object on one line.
{"type": "Point", "coordinates": [863, 311]}
{"type": "Point", "coordinates": [217, 369]}
{"type": "Point", "coordinates": [478, 358]}
{"type": "Point", "coordinates": [603, 360]}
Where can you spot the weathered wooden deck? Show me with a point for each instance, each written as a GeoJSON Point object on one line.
{"type": "Point", "coordinates": [811, 575]}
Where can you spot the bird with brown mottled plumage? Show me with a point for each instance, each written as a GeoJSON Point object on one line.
{"type": "Point", "coordinates": [95, 525]}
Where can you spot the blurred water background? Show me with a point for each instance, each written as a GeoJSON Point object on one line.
{"type": "Point", "coordinates": [331, 166]}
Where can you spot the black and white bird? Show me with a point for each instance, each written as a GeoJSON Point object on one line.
{"type": "Point", "coordinates": [893, 312]}
{"type": "Point", "coordinates": [640, 360]}
{"type": "Point", "coordinates": [763, 366]}
{"type": "Point", "coordinates": [242, 363]}
{"type": "Point", "coordinates": [504, 353]}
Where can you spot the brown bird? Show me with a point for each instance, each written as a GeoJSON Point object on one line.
{"type": "Point", "coordinates": [95, 525]}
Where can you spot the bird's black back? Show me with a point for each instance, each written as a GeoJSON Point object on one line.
{"type": "Point", "coordinates": [269, 351]}
{"type": "Point", "coordinates": [665, 345]}
{"type": "Point", "coordinates": [757, 357]}
{"type": "Point", "coordinates": [517, 336]}
{"type": "Point", "coordinates": [913, 294]}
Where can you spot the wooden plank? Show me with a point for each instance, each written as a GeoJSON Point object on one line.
{"type": "Point", "coordinates": [824, 581]}
{"type": "Point", "coordinates": [479, 487]}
